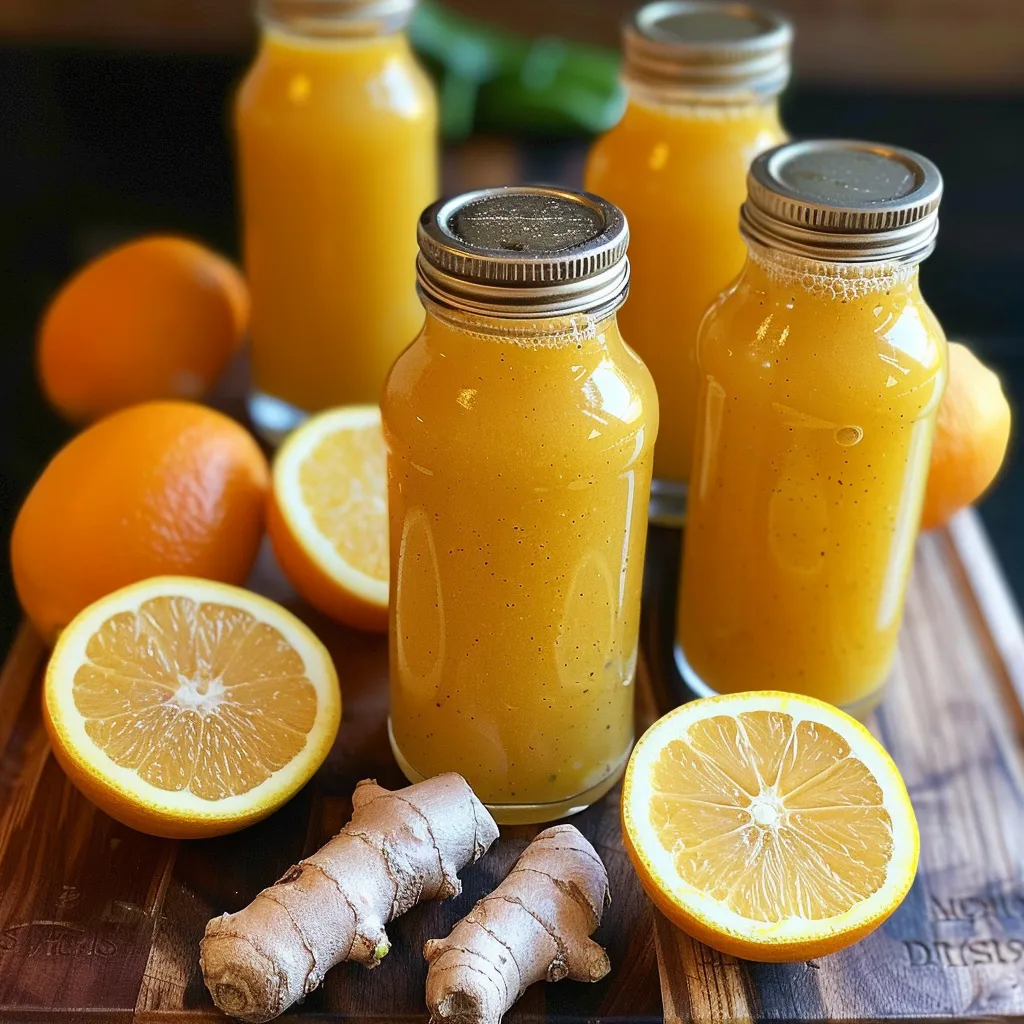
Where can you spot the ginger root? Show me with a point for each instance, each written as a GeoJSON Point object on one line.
{"type": "Point", "coordinates": [534, 925]}
{"type": "Point", "coordinates": [399, 848]}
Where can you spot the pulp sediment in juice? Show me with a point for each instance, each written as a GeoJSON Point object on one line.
{"type": "Point", "coordinates": [819, 399]}
{"type": "Point", "coordinates": [520, 432]}
{"type": "Point", "coordinates": [822, 368]}
{"type": "Point", "coordinates": [516, 615]}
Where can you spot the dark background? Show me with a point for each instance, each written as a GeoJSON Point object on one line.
{"type": "Point", "coordinates": [113, 123]}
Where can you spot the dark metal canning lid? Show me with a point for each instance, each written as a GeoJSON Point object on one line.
{"type": "Point", "coordinates": [523, 252]}
{"type": "Point", "coordinates": [843, 200]}
{"type": "Point", "coordinates": [734, 50]}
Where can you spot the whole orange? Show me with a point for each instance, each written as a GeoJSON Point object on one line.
{"type": "Point", "coordinates": [156, 318]}
{"type": "Point", "coordinates": [162, 488]}
{"type": "Point", "coordinates": [970, 438]}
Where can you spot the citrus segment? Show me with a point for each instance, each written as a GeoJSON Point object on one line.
{"type": "Point", "coordinates": [184, 707]}
{"type": "Point", "coordinates": [328, 518]}
{"type": "Point", "coordinates": [769, 825]}
{"type": "Point", "coordinates": [344, 486]}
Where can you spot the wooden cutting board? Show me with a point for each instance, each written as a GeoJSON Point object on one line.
{"type": "Point", "coordinates": [102, 924]}
{"type": "Point", "coordinates": [952, 721]}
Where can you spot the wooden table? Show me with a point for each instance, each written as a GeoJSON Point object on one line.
{"type": "Point", "coordinates": [101, 924]}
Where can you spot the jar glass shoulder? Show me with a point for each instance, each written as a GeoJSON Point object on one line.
{"type": "Point", "coordinates": [826, 343]}
{"type": "Point", "coordinates": [520, 386]}
{"type": "Point", "coordinates": [378, 80]}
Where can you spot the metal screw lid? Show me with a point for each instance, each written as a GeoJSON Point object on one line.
{"type": "Point", "coordinates": [338, 17]}
{"type": "Point", "coordinates": [729, 50]}
{"type": "Point", "coordinates": [524, 251]}
{"type": "Point", "coordinates": [841, 200]}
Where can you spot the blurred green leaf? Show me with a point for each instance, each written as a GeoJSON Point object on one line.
{"type": "Point", "coordinates": [491, 78]}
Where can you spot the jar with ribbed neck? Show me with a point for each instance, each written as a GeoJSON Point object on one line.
{"type": "Point", "coordinates": [822, 369]}
{"type": "Point", "coordinates": [337, 151]}
{"type": "Point", "coordinates": [703, 80]}
{"type": "Point", "coordinates": [520, 431]}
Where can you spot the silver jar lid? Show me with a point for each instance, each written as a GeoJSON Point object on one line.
{"type": "Point", "coordinates": [732, 50]}
{"type": "Point", "coordinates": [841, 200]}
{"type": "Point", "coordinates": [338, 17]}
{"type": "Point", "coordinates": [524, 251]}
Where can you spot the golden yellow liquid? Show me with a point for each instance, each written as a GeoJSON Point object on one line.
{"type": "Point", "coordinates": [816, 414]}
{"type": "Point", "coordinates": [338, 157]}
{"type": "Point", "coordinates": [519, 465]}
{"type": "Point", "coordinates": [679, 174]}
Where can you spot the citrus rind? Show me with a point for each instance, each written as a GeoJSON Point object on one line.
{"type": "Point", "coordinates": [291, 512]}
{"type": "Point", "coordinates": [120, 791]}
{"type": "Point", "coordinates": [719, 926]}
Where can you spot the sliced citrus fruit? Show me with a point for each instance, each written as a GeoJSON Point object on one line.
{"type": "Point", "coordinates": [328, 517]}
{"type": "Point", "coordinates": [769, 826]}
{"type": "Point", "coordinates": [186, 708]}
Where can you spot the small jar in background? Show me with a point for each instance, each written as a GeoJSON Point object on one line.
{"type": "Point", "coordinates": [337, 155]}
{"type": "Point", "coordinates": [703, 80]}
{"type": "Point", "coordinates": [822, 369]}
{"type": "Point", "coordinates": [520, 431]}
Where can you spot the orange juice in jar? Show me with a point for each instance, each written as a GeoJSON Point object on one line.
{"type": "Point", "coordinates": [822, 369]}
{"type": "Point", "coordinates": [337, 150]}
{"type": "Point", "coordinates": [520, 431]}
{"type": "Point", "coordinates": [703, 80]}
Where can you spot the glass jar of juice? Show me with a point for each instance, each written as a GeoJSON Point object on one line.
{"type": "Point", "coordinates": [520, 431]}
{"type": "Point", "coordinates": [337, 150]}
{"type": "Point", "coordinates": [702, 80]}
{"type": "Point", "coordinates": [822, 368]}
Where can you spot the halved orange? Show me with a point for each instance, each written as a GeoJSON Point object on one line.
{"type": "Point", "coordinates": [768, 825]}
{"type": "Point", "coordinates": [328, 515]}
{"type": "Point", "coordinates": [186, 708]}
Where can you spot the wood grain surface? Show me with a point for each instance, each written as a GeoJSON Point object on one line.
{"type": "Point", "coordinates": [952, 721]}
{"type": "Point", "coordinates": [101, 924]}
